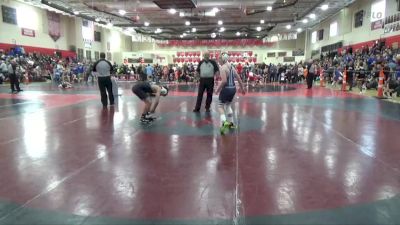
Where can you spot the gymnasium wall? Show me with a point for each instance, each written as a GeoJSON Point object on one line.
{"type": "Point", "coordinates": [71, 33]}
{"type": "Point", "coordinates": [11, 34]}
{"type": "Point", "coordinates": [112, 40]}
{"type": "Point", "coordinates": [261, 51]}
{"type": "Point", "coordinates": [346, 29]}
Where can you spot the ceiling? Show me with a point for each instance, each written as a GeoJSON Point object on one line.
{"type": "Point", "coordinates": [240, 18]}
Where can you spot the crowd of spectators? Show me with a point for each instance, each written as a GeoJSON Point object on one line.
{"type": "Point", "coordinates": [36, 67]}
{"type": "Point", "coordinates": [362, 66]}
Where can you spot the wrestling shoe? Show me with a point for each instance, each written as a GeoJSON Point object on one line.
{"type": "Point", "coordinates": [145, 120]}
{"type": "Point", "coordinates": [151, 116]}
{"type": "Point", "coordinates": [232, 125]}
{"type": "Point", "coordinates": [224, 128]}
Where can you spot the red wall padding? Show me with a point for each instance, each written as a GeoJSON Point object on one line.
{"type": "Point", "coordinates": [44, 51]}
{"type": "Point", "coordinates": [388, 41]}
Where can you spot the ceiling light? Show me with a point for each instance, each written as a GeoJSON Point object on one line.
{"type": "Point", "coordinates": [194, 29]}
{"type": "Point", "coordinates": [215, 10]}
{"type": "Point", "coordinates": [325, 7]}
{"type": "Point", "coordinates": [269, 8]}
{"type": "Point", "coordinates": [187, 23]}
{"type": "Point", "coordinates": [97, 19]}
{"type": "Point", "coordinates": [181, 14]}
{"type": "Point", "coordinates": [172, 11]}
{"type": "Point", "coordinates": [181, 36]}
{"type": "Point", "coordinates": [238, 33]}
{"type": "Point", "coordinates": [299, 30]}
{"type": "Point", "coordinates": [222, 29]}
{"type": "Point", "coordinates": [305, 20]}
{"type": "Point", "coordinates": [146, 24]}
{"type": "Point", "coordinates": [76, 12]}
{"type": "Point", "coordinates": [312, 16]}
{"type": "Point", "coordinates": [109, 24]}
{"type": "Point", "coordinates": [258, 28]}
{"type": "Point", "coordinates": [184, 34]}
{"type": "Point", "coordinates": [211, 13]}
{"type": "Point", "coordinates": [122, 12]}
{"type": "Point", "coordinates": [158, 30]}
{"type": "Point", "coordinates": [213, 35]}
{"type": "Point", "coordinates": [288, 26]}
{"type": "Point", "coordinates": [262, 21]}
{"type": "Point", "coordinates": [220, 22]}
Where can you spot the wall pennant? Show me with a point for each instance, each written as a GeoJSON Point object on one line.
{"type": "Point", "coordinates": [54, 25]}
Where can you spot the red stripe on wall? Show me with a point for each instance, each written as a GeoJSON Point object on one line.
{"type": "Point", "coordinates": [388, 42]}
{"type": "Point", "coordinates": [44, 51]}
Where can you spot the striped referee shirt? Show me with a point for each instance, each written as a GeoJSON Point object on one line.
{"type": "Point", "coordinates": [103, 68]}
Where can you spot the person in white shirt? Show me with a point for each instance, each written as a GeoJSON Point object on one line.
{"type": "Point", "coordinates": [300, 71]}
{"type": "Point", "coordinates": [3, 71]}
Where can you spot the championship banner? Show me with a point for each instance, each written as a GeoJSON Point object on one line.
{"type": "Point", "coordinates": [27, 32]}
{"type": "Point", "coordinates": [87, 33]}
{"type": "Point", "coordinates": [54, 25]}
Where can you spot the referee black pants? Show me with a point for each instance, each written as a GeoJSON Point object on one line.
{"type": "Point", "coordinates": [310, 80]}
{"type": "Point", "coordinates": [14, 83]}
{"type": "Point", "coordinates": [106, 85]}
{"type": "Point", "coordinates": [205, 84]}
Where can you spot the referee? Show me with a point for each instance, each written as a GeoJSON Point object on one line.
{"type": "Point", "coordinates": [207, 69]}
{"type": "Point", "coordinates": [104, 70]}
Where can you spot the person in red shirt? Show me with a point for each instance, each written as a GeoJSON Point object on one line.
{"type": "Point", "coordinates": [239, 68]}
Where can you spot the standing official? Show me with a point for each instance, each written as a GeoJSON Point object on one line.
{"type": "Point", "coordinates": [350, 74]}
{"type": "Point", "coordinates": [104, 70]}
{"type": "Point", "coordinates": [13, 73]}
{"type": "Point", "coordinates": [207, 69]}
{"type": "Point", "coordinates": [311, 74]}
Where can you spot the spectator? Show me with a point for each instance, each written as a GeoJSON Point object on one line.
{"type": "Point", "coordinates": [149, 72]}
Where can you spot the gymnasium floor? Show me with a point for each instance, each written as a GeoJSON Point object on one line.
{"type": "Point", "coordinates": [299, 157]}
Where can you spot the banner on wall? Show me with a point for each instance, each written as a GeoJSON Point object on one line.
{"type": "Point", "coordinates": [87, 33]}
{"type": "Point", "coordinates": [233, 56]}
{"type": "Point", "coordinates": [27, 32]}
{"type": "Point", "coordinates": [215, 43]}
{"type": "Point", "coordinates": [392, 23]}
{"type": "Point", "coordinates": [377, 25]}
{"type": "Point", "coordinates": [54, 25]}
